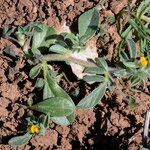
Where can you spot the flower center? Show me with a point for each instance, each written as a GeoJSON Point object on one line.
{"type": "Point", "coordinates": [33, 128]}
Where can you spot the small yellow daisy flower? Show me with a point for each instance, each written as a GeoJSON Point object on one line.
{"type": "Point", "coordinates": [143, 61]}
{"type": "Point", "coordinates": [33, 128]}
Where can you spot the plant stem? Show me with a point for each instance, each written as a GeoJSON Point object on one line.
{"type": "Point", "coordinates": [60, 57]}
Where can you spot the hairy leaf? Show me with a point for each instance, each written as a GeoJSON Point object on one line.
{"type": "Point", "coordinates": [123, 56]}
{"type": "Point", "coordinates": [56, 106]}
{"type": "Point", "coordinates": [130, 64]}
{"type": "Point", "coordinates": [94, 97]}
{"type": "Point", "coordinates": [94, 70]}
{"type": "Point", "coordinates": [55, 88]}
{"type": "Point", "coordinates": [20, 140]}
{"type": "Point", "coordinates": [120, 73]}
{"type": "Point", "coordinates": [94, 78]}
{"type": "Point", "coordinates": [102, 63]}
{"type": "Point", "coordinates": [59, 49]}
{"type": "Point", "coordinates": [88, 24]}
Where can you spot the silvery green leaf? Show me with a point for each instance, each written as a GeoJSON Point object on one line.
{"type": "Point", "coordinates": [120, 73]}
{"type": "Point", "coordinates": [20, 140]}
{"type": "Point", "coordinates": [130, 64]}
{"type": "Point", "coordinates": [137, 28]}
{"type": "Point", "coordinates": [55, 106]}
{"type": "Point", "coordinates": [46, 121]}
{"type": "Point", "coordinates": [57, 91]}
{"type": "Point", "coordinates": [147, 70]}
{"type": "Point", "coordinates": [102, 63]}
{"type": "Point", "coordinates": [127, 33]}
{"type": "Point", "coordinates": [110, 86]}
{"type": "Point", "coordinates": [143, 8]}
{"type": "Point", "coordinates": [93, 98]}
{"type": "Point", "coordinates": [59, 49]}
{"type": "Point", "coordinates": [70, 36]}
{"type": "Point", "coordinates": [94, 70]}
{"type": "Point", "coordinates": [94, 78]}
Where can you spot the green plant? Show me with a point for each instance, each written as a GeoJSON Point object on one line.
{"type": "Point", "coordinates": [36, 39]}
{"type": "Point", "coordinates": [137, 28]}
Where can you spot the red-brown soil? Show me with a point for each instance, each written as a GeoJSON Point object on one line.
{"type": "Point", "coordinates": [111, 125]}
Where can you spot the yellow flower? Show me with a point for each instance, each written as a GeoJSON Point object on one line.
{"type": "Point", "coordinates": [143, 61]}
{"type": "Point", "coordinates": [33, 128]}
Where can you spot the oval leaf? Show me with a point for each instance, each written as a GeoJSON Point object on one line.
{"type": "Point", "coordinates": [120, 73]}
{"type": "Point", "coordinates": [94, 70]}
{"type": "Point", "coordinates": [57, 107]}
{"type": "Point", "coordinates": [94, 78]}
{"type": "Point", "coordinates": [130, 64]}
{"type": "Point", "coordinates": [93, 98]}
{"type": "Point", "coordinates": [59, 49]}
{"type": "Point", "coordinates": [20, 140]}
